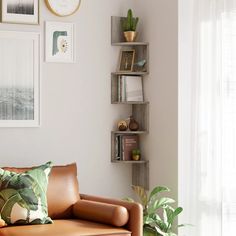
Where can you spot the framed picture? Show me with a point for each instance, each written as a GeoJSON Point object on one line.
{"type": "Point", "coordinates": [126, 60]}
{"type": "Point", "coordinates": [20, 79]}
{"type": "Point", "coordinates": [59, 39]}
{"type": "Point", "coordinates": [20, 11]}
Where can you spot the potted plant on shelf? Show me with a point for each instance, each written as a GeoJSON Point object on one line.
{"type": "Point", "coordinates": [136, 154]}
{"type": "Point", "coordinates": [158, 214]}
{"type": "Point", "coordinates": [129, 25]}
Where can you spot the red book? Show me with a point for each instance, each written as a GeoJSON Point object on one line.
{"type": "Point", "coordinates": [129, 143]}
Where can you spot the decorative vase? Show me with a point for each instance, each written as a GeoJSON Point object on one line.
{"type": "Point", "coordinates": [133, 124]}
{"type": "Point", "coordinates": [130, 36]}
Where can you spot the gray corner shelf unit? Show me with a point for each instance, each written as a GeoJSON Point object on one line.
{"type": "Point", "coordinates": [139, 110]}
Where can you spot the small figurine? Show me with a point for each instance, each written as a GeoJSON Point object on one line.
{"type": "Point", "coordinates": [122, 125]}
{"type": "Point", "coordinates": [140, 65]}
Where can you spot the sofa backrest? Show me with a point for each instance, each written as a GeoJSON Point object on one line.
{"type": "Point", "coordinates": [63, 190]}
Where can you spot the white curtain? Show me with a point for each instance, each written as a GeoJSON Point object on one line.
{"type": "Point", "coordinates": [207, 180]}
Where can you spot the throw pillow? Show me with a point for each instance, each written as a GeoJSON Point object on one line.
{"type": "Point", "coordinates": [2, 223]}
{"type": "Point", "coordinates": [23, 196]}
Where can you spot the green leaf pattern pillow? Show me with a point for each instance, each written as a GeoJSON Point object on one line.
{"type": "Point", "coordinates": [23, 196]}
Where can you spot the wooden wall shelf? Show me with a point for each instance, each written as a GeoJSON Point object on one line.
{"type": "Point", "coordinates": [139, 110]}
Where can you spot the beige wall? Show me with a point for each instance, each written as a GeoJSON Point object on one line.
{"type": "Point", "coordinates": [160, 28]}
{"type": "Point", "coordinates": [77, 116]}
{"type": "Point", "coordinates": [76, 112]}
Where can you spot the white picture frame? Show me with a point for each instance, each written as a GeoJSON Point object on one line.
{"type": "Point", "coordinates": [20, 11]}
{"type": "Point", "coordinates": [59, 42]}
{"type": "Point", "coordinates": [20, 79]}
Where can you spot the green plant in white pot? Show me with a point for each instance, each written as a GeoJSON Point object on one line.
{"type": "Point", "coordinates": [129, 25]}
{"type": "Point", "coordinates": [158, 214]}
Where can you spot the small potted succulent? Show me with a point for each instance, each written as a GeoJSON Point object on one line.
{"type": "Point", "coordinates": [136, 154]}
{"type": "Point", "coordinates": [129, 25]}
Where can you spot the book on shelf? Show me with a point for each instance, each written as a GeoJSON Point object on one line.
{"type": "Point", "coordinates": [130, 88]}
{"type": "Point", "coordinates": [124, 145]}
{"type": "Point", "coordinates": [134, 89]}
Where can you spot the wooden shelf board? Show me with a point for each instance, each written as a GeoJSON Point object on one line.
{"type": "Point", "coordinates": [129, 132]}
{"type": "Point", "coordinates": [131, 103]}
{"type": "Point", "coordinates": [130, 44]}
{"type": "Point", "coordinates": [130, 73]}
{"type": "Point", "coordinates": [129, 162]}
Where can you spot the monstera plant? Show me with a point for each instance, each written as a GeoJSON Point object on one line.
{"type": "Point", "coordinates": [158, 213]}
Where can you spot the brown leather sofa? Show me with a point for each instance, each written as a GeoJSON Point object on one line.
{"type": "Point", "coordinates": [77, 214]}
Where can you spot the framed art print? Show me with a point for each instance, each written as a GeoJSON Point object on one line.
{"type": "Point", "coordinates": [59, 43]}
{"type": "Point", "coordinates": [126, 60]}
{"type": "Point", "coordinates": [20, 11]}
{"type": "Point", "coordinates": [19, 83]}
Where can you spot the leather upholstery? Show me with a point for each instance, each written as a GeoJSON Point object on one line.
{"type": "Point", "coordinates": [63, 197]}
{"type": "Point", "coordinates": [63, 190]}
{"type": "Point", "coordinates": [65, 228]}
{"type": "Point", "coordinates": [135, 223]}
{"type": "Point", "coordinates": [101, 212]}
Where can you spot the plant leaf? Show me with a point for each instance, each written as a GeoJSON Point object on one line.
{"type": "Point", "coordinates": [160, 231]}
{"type": "Point", "coordinates": [142, 194]}
{"type": "Point", "coordinates": [178, 210]}
{"type": "Point", "coordinates": [128, 199]}
{"type": "Point", "coordinates": [157, 190]}
{"type": "Point", "coordinates": [159, 204]}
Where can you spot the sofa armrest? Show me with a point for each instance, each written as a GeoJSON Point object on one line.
{"type": "Point", "coordinates": [135, 222]}
{"type": "Point", "coordinates": [101, 212]}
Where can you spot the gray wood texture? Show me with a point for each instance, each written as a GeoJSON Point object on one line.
{"type": "Point", "coordinates": [140, 175]}
{"type": "Point", "coordinates": [140, 113]}
{"type": "Point", "coordinates": [140, 110]}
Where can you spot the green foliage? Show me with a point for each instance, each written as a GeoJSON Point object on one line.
{"type": "Point", "coordinates": [130, 23]}
{"type": "Point", "coordinates": [158, 214]}
{"type": "Point", "coordinates": [28, 190]}
{"type": "Point", "coordinates": [136, 152]}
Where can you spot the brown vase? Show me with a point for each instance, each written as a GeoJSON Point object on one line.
{"type": "Point", "coordinates": [133, 124]}
{"type": "Point", "coordinates": [130, 36]}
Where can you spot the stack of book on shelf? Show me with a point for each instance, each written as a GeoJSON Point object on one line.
{"type": "Point", "coordinates": [124, 145]}
{"type": "Point", "coordinates": [130, 88]}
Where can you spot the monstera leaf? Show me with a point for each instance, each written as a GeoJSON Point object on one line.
{"type": "Point", "coordinates": [26, 191]}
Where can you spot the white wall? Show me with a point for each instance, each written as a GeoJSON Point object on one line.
{"type": "Point", "coordinates": [159, 20]}
{"type": "Point", "coordinates": [77, 116]}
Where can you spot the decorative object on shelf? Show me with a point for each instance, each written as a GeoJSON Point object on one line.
{"type": "Point", "coordinates": [158, 213]}
{"type": "Point", "coordinates": [59, 42]}
{"type": "Point", "coordinates": [136, 154]}
{"type": "Point", "coordinates": [140, 65]}
{"type": "Point", "coordinates": [63, 7]}
{"type": "Point", "coordinates": [129, 25]}
{"type": "Point", "coordinates": [20, 79]}
{"type": "Point", "coordinates": [20, 11]}
{"type": "Point", "coordinates": [122, 125]}
{"type": "Point", "coordinates": [126, 60]}
{"type": "Point", "coordinates": [133, 124]}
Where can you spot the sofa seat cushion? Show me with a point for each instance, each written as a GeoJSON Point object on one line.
{"type": "Point", "coordinates": [65, 228]}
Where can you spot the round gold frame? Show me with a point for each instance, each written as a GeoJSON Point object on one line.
{"type": "Point", "coordinates": [55, 13]}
